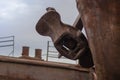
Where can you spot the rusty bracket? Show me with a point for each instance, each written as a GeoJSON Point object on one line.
{"type": "Point", "coordinates": [68, 40]}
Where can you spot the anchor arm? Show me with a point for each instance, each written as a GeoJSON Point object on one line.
{"type": "Point", "coordinates": [68, 40]}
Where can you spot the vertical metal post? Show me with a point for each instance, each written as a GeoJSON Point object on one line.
{"type": "Point", "coordinates": [13, 44]}
{"type": "Point", "coordinates": [47, 51]}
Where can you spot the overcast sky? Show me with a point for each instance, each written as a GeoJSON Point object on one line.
{"type": "Point", "coordinates": [19, 17]}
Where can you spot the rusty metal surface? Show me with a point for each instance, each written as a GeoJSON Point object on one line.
{"type": "Point", "coordinates": [25, 54]}
{"type": "Point", "coordinates": [101, 21]}
{"type": "Point", "coordinates": [68, 40]}
{"type": "Point", "coordinates": [78, 23]}
{"type": "Point", "coordinates": [24, 69]}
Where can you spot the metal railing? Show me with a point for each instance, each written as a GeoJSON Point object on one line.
{"type": "Point", "coordinates": [53, 53]}
{"type": "Point", "coordinates": [8, 41]}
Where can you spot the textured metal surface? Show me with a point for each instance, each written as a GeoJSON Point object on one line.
{"type": "Point", "coordinates": [78, 23]}
{"type": "Point", "coordinates": [68, 40]}
{"type": "Point", "coordinates": [101, 21]}
{"type": "Point", "coordinates": [24, 69]}
{"type": "Point", "coordinates": [25, 54]}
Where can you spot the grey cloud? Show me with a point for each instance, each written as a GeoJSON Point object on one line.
{"type": "Point", "coordinates": [21, 21]}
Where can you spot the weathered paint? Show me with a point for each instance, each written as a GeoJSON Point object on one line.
{"type": "Point", "coordinates": [101, 21]}
{"type": "Point", "coordinates": [68, 40]}
{"type": "Point", "coordinates": [25, 69]}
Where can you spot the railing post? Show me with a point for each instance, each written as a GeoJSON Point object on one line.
{"type": "Point", "coordinates": [47, 51]}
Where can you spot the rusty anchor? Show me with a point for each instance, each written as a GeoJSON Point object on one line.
{"type": "Point", "coordinates": [68, 40]}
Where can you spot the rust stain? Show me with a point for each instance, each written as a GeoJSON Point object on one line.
{"type": "Point", "coordinates": [7, 77]}
{"type": "Point", "coordinates": [68, 40]}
